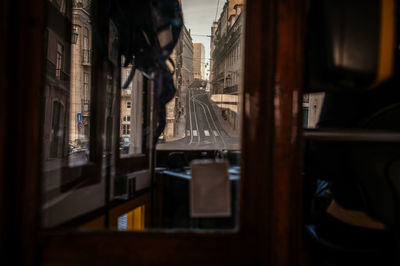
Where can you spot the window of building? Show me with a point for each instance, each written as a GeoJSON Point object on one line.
{"type": "Point", "coordinates": [59, 60]}
{"type": "Point", "coordinates": [56, 130]}
{"type": "Point", "coordinates": [126, 129]}
{"type": "Point", "coordinates": [86, 86]}
{"type": "Point", "coordinates": [128, 104]}
{"type": "Point", "coordinates": [126, 118]}
{"type": "Point", "coordinates": [86, 51]}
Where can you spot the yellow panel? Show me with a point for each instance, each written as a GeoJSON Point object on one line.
{"type": "Point", "coordinates": [136, 218]}
{"type": "Point", "coordinates": [387, 42]}
{"type": "Point", "coordinates": [127, 207]}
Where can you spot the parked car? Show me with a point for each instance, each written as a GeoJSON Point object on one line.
{"type": "Point", "coordinates": [124, 144]}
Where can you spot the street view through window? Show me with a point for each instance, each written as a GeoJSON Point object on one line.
{"type": "Point", "coordinates": [208, 59]}
{"type": "Point", "coordinates": [94, 131]}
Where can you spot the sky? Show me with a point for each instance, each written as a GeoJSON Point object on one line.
{"type": "Point", "coordinates": [198, 16]}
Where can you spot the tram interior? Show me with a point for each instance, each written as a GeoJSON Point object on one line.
{"type": "Point", "coordinates": [141, 116]}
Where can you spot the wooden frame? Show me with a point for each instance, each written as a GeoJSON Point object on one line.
{"type": "Point", "coordinates": [21, 80]}
{"type": "Point", "coordinates": [270, 213]}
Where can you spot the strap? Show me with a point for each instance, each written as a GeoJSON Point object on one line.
{"type": "Point", "coordinates": [356, 218]}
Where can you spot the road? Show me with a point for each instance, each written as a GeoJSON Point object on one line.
{"type": "Point", "coordinates": [205, 128]}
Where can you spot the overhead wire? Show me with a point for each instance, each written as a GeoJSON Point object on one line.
{"type": "Point", "coordinates": [215, 19]}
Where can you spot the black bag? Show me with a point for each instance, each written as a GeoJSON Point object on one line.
{"type": "Point", "coordinates": [149, 31]}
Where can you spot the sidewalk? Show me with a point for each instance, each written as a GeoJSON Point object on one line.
{"type": "Point", "coordinates": [180, 129]}
{"type": "Point", "coordinates": [224, 124]}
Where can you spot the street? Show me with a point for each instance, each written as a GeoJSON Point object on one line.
{"type": "Point", "coordinates": [205, 127]}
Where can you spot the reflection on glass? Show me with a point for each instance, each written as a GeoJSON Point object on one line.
{"type": "Point", "coordinates": [56, 104]}
{"type": "Point", "coordinates": [131, 123]}
{"type": "Point", "coordinates": [80, 88]}
{"type": "Point", "coordinates": [66, 114]}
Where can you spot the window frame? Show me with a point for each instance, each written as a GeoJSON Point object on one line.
{"type": "Point", "coordinates": [86, 93]}
{"type": "Point", "coordinates": [90, 172]}
{"type": "Point", "coordinates": [270, 201]}
{"type": "Point", "coordinates": [135, 162]}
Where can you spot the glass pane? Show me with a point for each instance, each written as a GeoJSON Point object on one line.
{"type": "Point", "coordinates": [95, 110]}
{"type": "Point", "coordinates": [199, 150]}
{"type": "Point", "coordinates": [132, 115]}
{"type": "Point", "coordinates": [67, 115]}
{"type": "Point", "coordinates": [205, 113]}
{"type": "Point", "coordinates": [80, 88]}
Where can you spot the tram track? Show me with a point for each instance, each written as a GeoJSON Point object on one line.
{"type": "Point", "coordinates": [206, 110]}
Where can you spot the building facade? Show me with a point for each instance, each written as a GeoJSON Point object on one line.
{"type": "Point", "coordinates": [199, 61]}
{"type": "Point", "coordinates": [57, 80]}
{"type": "Point", "coordinates": [183, 78]}
{"type": "Point", "coordinates": [131, 113]}
{"type": "Point", "coordinates": [227, 61]}
{"type": "Point", "coordinates": [81, 73]}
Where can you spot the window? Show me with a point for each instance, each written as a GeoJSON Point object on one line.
{"type": "Point", "coordinates": [126, 129]}
{"type": "Point", "coordinates": [66, 140]}
{"type": "Point", "coordinates": [86, 51]}
{"type": "Point", "coordinates": [60, 60]}
{"type": "Point", "coordinates": [86, 86]}
{"type": "Point", "coordinates": [56, 137]}
{"type": "Point", "coordinates": [132, 113]}
{"type": "Point", "coordinates": [237, 248]}
{"type": "Point", "coordinates": [207, 117]}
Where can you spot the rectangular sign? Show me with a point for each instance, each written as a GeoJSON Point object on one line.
{"type": "Point", "coordinates": [210, 190]}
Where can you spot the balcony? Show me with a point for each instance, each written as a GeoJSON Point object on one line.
{"type": "Point", "coordinates": [85, 107]}
{"type": "Point", "coordinates": [86, 57]}
{"type": "Point", "coordinates": [231, 89]}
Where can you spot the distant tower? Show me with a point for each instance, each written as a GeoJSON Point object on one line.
{"type": "Point", "coordinates": [199, 61]}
